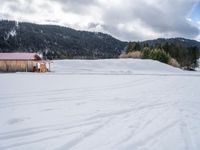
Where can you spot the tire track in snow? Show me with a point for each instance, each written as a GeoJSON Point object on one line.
{"type": "Point", "coordinates": [80, 91]}
{"type": "Point", "coordinates": [125, 111]}
{"type": "Point", "coordinates": [39, 130]}
{"type": "Point", "coordinates": [182, 119]}
{"type": "Point", "coordinates": [18, 144]}
{"type": "Point", "coordinates": [150, 137]}
{"type": "Point", "coordinates": [83, 136]}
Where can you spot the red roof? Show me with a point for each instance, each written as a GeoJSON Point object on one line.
{"type": "Point", "coordinates": [19, 56]}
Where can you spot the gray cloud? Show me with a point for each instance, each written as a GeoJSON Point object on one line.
{"type": "Point", "coordinates": [25, 8]}
{"type": "Point", "coordinates": [17, 6]}
{"type": "Point", "coordinates": [93, 25]}
{"type": "Point", "coordinates": [125, 19]}
{"type": "Point", "coordinates": [6, 1]}
{"type": "Point", "coordinates": [166, 19]}
{"type": "Point", "coordinates": [123, 34]}
{"type": "Point", "coordinates": [78, 2]}
{"type": "Point", "coordinates": [170, 19]}
{"type": "Point", "coordinates": [76, 6]}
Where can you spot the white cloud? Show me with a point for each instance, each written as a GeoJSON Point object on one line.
{"type": "Point", "coordinates": [125, 19]}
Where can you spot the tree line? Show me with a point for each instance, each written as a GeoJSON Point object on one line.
{"type": "Point", "coordinates": [186, 56]}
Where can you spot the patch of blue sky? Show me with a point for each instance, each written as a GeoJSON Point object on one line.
{"type": "Point", "coordinates": [195, 13]}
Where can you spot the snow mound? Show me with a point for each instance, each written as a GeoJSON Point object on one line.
{"type": "Point", "coordinates": [113, 66]}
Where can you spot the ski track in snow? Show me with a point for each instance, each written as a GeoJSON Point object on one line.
{"type": "Point", "coordinates": [122, 106]}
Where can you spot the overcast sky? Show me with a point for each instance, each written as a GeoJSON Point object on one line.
{"type": "Point", "coordinates": [124, 19]}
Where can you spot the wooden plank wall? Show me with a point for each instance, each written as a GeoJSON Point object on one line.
{"type": "Point", "coordinates": [14, 66]}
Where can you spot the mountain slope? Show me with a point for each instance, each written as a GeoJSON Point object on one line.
{"type": "Point", "coordinates": [181, 41]}
{"type": "Point", "coordinates": [56, 41]}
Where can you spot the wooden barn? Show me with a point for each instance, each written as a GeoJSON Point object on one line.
{"type": "Point", "coordinates": [22, 62]}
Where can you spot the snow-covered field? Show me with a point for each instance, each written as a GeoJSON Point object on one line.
{"type": "Point", "coordinates": [101, 105]}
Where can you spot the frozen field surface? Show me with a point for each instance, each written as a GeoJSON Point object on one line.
{"type": "Point", "coordinates": [101, 105]}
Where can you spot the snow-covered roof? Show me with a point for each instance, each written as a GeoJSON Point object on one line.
{"type": "Point", "coordinates": [19, 56]}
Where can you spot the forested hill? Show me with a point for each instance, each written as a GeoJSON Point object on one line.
{"type": "Point", "coordinates": [56, 42]}
{"type": "Point", "coordinates": [176, 41]}
{"type": "Point", "coordinates": [175, 51]}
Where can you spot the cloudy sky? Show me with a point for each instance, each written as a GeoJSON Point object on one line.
{"type": "Point", "coordinates": [125, 19]}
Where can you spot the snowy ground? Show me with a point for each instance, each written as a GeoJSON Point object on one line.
{"type": "Point", "coordinates": [101, 105]}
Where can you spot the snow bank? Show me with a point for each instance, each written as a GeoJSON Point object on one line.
{"type": "Point", "coordinates": [113, 66]}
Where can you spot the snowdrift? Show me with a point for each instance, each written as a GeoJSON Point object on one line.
{"type": "Point", "coordinates": [113, 66]}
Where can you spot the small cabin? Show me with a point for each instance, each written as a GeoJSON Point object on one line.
{"type": "Point", "coordinates": [23, 62]}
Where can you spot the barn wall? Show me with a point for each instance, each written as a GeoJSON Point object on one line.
{"type": "Point", "coordinates": [14, 66]}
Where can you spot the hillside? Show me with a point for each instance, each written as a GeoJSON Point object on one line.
{"type": "Point", "coordinates": [182, 52]}
{"type": "Point", "coordinates": [56, 42]}
{"type": "Point", "coordinates": [177, 41]}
